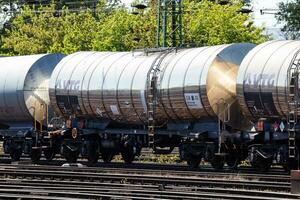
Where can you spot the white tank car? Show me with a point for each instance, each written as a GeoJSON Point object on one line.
{"type": "Point", "coordinates": [113, 86]}
{"type": "Point", "coordinates": [262, 80]}
{"type": "Point", "coordinates": [24, 86]}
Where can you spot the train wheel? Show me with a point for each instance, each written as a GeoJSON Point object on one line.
{"type": "Point", "coordinates": [287, 166]}
{"type": "Point", "coordinates": [265, 165]}
{"type": "Point", "coordinates": [232, 161]}
{"type": "Point", "coordinates": [107, 155]}
{"type": "Point", "coordinates": [93, 158]}
{"type": "Point", "coordinates": [194, 161]}
{"type": "Point", "coordinates": [69, 155]}
{"type": "Point", "coordinates": [262, 164]}
{"type": "Point", "coordinates": [93, 154]}
{"type": "Point", "coordinates": [35, 155]}
{"type": "Point", "coordinates": [72, 157]}
{"type": "Point", "coordinates": [217, 162]}
{"type": "Point", "coordinates": [49, 154]}
{"type": "Point", "coordinates": [128, 154]}
{"type": "Point", "coordinates": [16, 154]}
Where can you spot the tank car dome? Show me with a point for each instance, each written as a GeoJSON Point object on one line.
{"type": "Point", "coordinates": [24, 86]}
{"type": "Point", "coordinates": [262, 80]}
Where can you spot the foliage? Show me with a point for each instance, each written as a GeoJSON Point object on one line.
{"type": "Point", "coordinates": [289, 14]}
{"type": "Point", "coordinates": [207, 23]}
{"type": "Point", "coordinates": [123, 31]}
{"type": "Point", "coordinates": [32, 33]}
{"type": "Point", "coordinates": [113, 28]}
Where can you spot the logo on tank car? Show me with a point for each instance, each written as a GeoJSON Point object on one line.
{"type": "Point", "coordinates": [68, 84]}
{"type": "Point", "coordinates": [256, 80]}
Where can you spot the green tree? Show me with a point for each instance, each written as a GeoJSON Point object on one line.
{"type": "Point", "coordinates": [289, 15]}
{"type": "Point", "coordinates": [31, 33]}
{"type": "Point", "coordinates": [208, 23]}
{"type": "Point", "coordinates": [46, 29]}
{"type": "Point", "coordinates": [41, 30]}
{"type": "Point", "coordinates": [123, 31]}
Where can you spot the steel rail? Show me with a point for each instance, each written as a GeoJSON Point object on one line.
{"type": "Point", "coordinates": [93, 190]}
{"type": "Point", "coordinates": [147, 179]}
{"type": "Point", "coordinates": [232, 175]}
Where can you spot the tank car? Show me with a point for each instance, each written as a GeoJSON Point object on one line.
{"type": "Point", "coordinates": [268, 95]}
{"type": "Point", "coordinates": [24, 100]}
{"type": "Point", "coordinates": [119, 102]}
{"type": "Point", "coordinates": [221, 103]}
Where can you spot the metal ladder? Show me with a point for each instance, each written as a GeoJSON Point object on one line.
{"type": "Point", "coordinates": [42, 108]}
{"type": "Point", "coordinates": [152, 95]}
{"type": "Point", "coordinates": [223, 118]}
{"type": "Point", "coordinates": [293, 102]}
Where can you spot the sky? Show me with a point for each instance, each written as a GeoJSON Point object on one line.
{"type": "Point", "coordinates": [267, 20]}
{"type": "Point", "coordinates": [127, 1]}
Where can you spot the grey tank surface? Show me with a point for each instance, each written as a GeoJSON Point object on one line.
{"type": "Point", "coordinates": [113, 85]}
{"type": "Point", "coordinates": [262, 80]}
{"type": "Point", "coordinates": [24, 86]}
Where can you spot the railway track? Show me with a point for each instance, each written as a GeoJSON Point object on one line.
{"type": "Point", "coordinates": [29, 181]}
{"type": "Point", "coordinates": [146, 160]}
{"type": "Point", "coordinates": [157, 178]}
{"type": "Point", "coordinates": [162, 170]}
{"type": "Point", "coordinates": [150, 166]}
{"type": "Point", "coordinates": [116, 180]}
{"type": "Point", "coordinates": [86, 190]}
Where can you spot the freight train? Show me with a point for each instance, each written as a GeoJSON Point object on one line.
{"type": "Point", "coordinates": [222, 104]}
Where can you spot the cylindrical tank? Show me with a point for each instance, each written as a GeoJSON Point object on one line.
{"type": "Point", "coordinates": [201, 83]}
{"type": "Point", "coordinates": [24, 86]}
{"type": "Point", "coordinates": [262, 80]}
{"type": "Point", "coordinates": [113, 86]}
{"type": "Point", "coordinates": [101, 84]}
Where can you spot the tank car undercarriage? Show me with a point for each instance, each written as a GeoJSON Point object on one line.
{"type": "Point", "coordinates": [261, 148]}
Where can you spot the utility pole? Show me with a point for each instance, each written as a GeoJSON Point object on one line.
{"type": "Point", "coordinates": [169, 23]}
